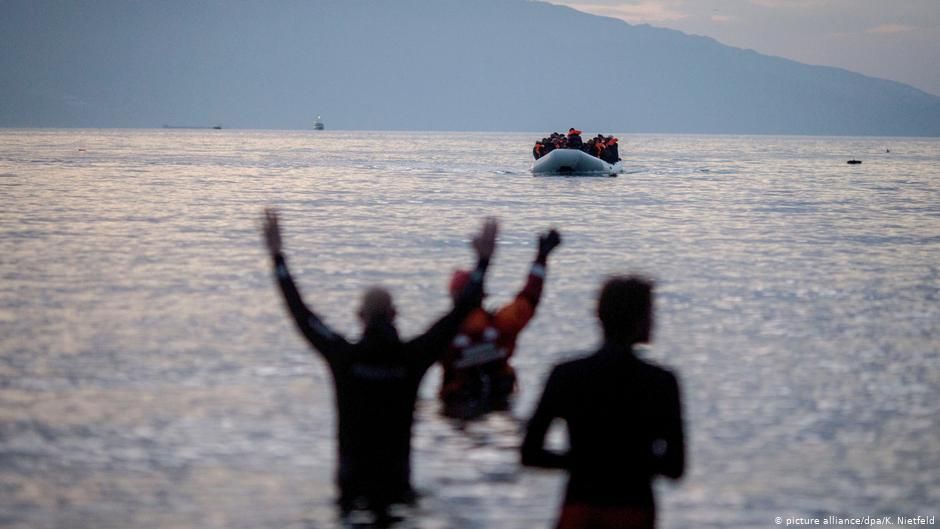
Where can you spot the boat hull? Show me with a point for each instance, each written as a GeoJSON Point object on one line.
{"type": "Point", "coordinates": [572, 162]}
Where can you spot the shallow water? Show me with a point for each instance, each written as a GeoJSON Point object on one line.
{"type": "Point", "coordinates": [150, 378]}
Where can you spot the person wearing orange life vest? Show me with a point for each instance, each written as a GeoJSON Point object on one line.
{"type": "Point", "coordinates": [574, 139]}
{"type": "Point", "coordinates": [477, 376]}
{"type": "Point", "coordinates": [611, 153]}
{"type": "Point", "coordinates": [600, 143]}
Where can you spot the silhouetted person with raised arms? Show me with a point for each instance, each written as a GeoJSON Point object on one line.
{"type": "Point", "coordinates": [477, 376]}
{"type": "Point", "coordinates": [623, 417]}
{"type": "Point", "coordinates": [376, 379]}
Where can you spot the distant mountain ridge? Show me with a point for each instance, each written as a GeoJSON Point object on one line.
{"type": "Point", "coordinates": [510, 65]}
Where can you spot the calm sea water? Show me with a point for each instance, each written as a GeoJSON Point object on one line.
{"type": "Point", "coordinates": [150, 377]}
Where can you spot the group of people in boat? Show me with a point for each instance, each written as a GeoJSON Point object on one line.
{"type": "Point", "coordinates": [600, 146]}
{"type": "Point", "coordinates": [622, 413]}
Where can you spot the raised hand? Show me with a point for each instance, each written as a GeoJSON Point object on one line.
{"type": "Point", "coordinates": [548, 241]}
{"type": "Point", "coordinates": [485, 242]}
{"type": "Point", "coordinates": [272, 232]}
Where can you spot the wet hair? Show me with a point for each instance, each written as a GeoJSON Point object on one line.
{"type": "Point", "coordinates": [625, 308]}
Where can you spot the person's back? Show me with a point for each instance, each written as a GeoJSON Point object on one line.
{"type": "Point", "coordinates": [376, 381]}
{"type": "Point", "coordinates": [377, 378]}
{"type": "Point", "coordinates": [616, 407]}
{"type": "Point", "coordinates": [623, 417]}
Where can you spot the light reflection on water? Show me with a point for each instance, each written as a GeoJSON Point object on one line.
{"type": "Point", "coordinates": [149, 375]}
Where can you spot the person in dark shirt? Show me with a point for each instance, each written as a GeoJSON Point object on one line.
{"type": "Point", "coordinates": [611, 152]}
{"type": "Point", "coordinates": [376, 379]}
{"type": "Point", "coordinates": [623, 417]}
{"type": "Point", "coordinates": [548, 145]}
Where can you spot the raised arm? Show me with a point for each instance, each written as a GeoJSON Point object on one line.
{"type": "Point", "coordinates": [533, 451]}
{"type": "Point", "coordinates": [320, 336]}
{"type": "Point", "coordinates": [433, 343]}
{"type": "Point", "coordinates": [515, 315]}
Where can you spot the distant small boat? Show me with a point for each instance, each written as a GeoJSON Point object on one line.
{"type": "Point", "coordinates": [318, 124]}
{"type": "Point", "coordinates": [574, 162]}
{"type": "Point", "coordinates": [853, 162]}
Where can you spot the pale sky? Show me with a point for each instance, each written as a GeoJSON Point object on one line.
{"type": "Point", "coordinates": [890, 39]}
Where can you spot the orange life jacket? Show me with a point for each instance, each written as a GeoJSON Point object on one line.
{"type": "Point", "coordinates": [488, 339]}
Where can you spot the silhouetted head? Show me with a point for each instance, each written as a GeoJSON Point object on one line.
{"type": "Point", "coordinates": [625, 308]}
{"type": "Point", "coordinates": [376, 307]}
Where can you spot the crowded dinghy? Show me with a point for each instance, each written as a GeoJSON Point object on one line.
{"type": "Point", "coordinates": [569, 155]}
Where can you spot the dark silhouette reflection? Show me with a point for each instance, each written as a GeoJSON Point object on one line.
{"type": "Point", "coordinates": [376, 381]}
{"type": "Point", "coordinates": [623, 417]}
{"type": "Point", "coordinates": [477, 376]}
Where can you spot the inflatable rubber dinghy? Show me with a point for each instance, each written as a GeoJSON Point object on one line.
{"type": "Point", "coordinates": [572, 162]}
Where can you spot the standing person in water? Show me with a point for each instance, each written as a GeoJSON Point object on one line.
{"type": "Point", "coordinates": [477, 376]}
{"type": "Point", "coordinates": [376, 379]}
{"type": "Point", "coordinates": [623, 417]}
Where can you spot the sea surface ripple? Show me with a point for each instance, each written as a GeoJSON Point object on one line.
{"type": "Point", "coordinates": [150, 376]}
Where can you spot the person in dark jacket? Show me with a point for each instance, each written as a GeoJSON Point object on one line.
{"type": "Point", "coordinates": [547, 146]}
{"type": "Point", "coordinates": [588, 146]}
{"type": "Point", "coordinates": [574, 139]}
{"type": "Point", "coordinates": [623, 417]}
{"type": "Point", "coordinates": [611, 153]}
{"type": "Point", "coordinates": [376, 379]}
